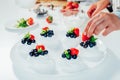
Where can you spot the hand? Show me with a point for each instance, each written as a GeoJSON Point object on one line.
{"type": "Point", "coordinates": [106, 22]}
{"type": "Point", "coordinates": [97, 7]}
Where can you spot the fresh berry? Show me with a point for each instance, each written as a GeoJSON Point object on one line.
{"type": "Point", "coordinates": [30, 21]}
{"type": "Point", "coordinates": [74, 56]}
{"type": "Point", "coordinates": [45, 28]}
{"type": "Point", "coordinates": [40, 47]}
{"type": "Point", "coordinates": [46, 52]}
{"type": "Point", "coordinates": [85, 46]}
{"type": "Point", "coordinates": [36, 54]}
{"type": "Point", "coordinates": [49, 19]}
{"type": "Point", "coordinates": [69, 51]}
{"type": "Point", "coordinates": [74, 51]}
{"type": "Point", "coordinates": [42, 53]}
{"type": "Point", "coordinates": [32, 37]}
{"type": "Point", "coordinates": [82, 43]}
{"type": "Point", "coordinates": [63, 55]}
{"type": "Point", "coordinates": [84, 37]}
{"type": "Point", "coordinates": [69, 58]}
{"type": "Point", "coordinates": [31, 54]}
{"type": "Point", "coordinates": [23, 41]}
{"type": "Point", "coordinates": [75, 5]}
{"type": "Point", "coordinates": [69, 3]}
{"type": "Point", "coordinates": [76, 31]}
{"type": "Point", "coordinates": [33, 41]}
{"type": "Point", "coordinates": [34, 50]}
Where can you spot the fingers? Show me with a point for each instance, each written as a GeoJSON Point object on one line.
{"type": "Point", "coordinates": [95, 12]}
{"type": "Point", "coordinates": [100, 28]}
{"type": "Point", "coordinates": [92, 24]}
{"type": "Point", "coordinates": [107, 31]}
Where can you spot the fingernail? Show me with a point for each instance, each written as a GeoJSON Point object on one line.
{"type": "Point", "coordinates": [88, 35]}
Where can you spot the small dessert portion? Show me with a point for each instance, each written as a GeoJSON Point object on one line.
{"type": "Point", "coordinates": [28, 38]}
{"type": "Point", "coordinates": [70, 53]}
{"type": "Point", "coordinates": [39, 50]}
{"type": "Point", "coordinates": [46, 32]}
{"type": "Point", "coordinates": [73, 33]}
{"type": "Point", "coordinates": [91, 42]}
{"type": "Point", "coordinates": [71, 8]}
{"type": "Point", "coordinates": [49, 19]}
{"type": "Point", "coordinates": [23, 23]}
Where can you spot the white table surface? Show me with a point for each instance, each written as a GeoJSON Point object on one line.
{"type": "Point", "coordinates": [8, 10]}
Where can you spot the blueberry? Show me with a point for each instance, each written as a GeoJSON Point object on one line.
{"type": "Point", "coordinates": [63, 55]}
{"type": "Point", "coordinates": [82, 44]}
{"type": "Point", "coordinates": [33, 41]}
{"type": "Point", "coordinates": [50, 31]}
{"type": "Point", "coordinates": [34, 50]}
{"type": "Point", "coordinates": [23, 41]}
{"type": "Point", "coordinates": [72, 35]}
{"type": "Point", "coordinates": [36, 54]}
{"type": "Point", "coordinates": [74, 56]}
{"type": "Point", "coordinates": [91, 44]}
{"type": "Point", "coordinates": [87, 42]}
{"type": "Point", "coordinates": [46, 52]}
{"type": "Point", "coordinates": [85, 46]}
{"type": "Point", "coordinates": [49, 34]}
{"type": "Point", "coordinates": [94, 43]}
{"type": "Point", "coordinates": [29, 42]}
{"type": "Point", "coordinates": [67, 35]}
{"type": "Point", "coordinates": [31, 54]}
{"type": "Point", "coordinates": [42, 53]}
{"type": "Point", "coordinates": [45, 35]}
{"type": "Point", "coordinates": [42, 34]}
{"type": "Point", "coordinates": [69, 51]}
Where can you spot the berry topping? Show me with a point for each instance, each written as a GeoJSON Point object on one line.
{"type": "Point", "coordinates": [91, 42]}
{"type": "Point", "coordinates": [46, 32]}
{"type": "Point", "coordinates": [30, 21]}
{"type": "Point", "coordinates": [70, 53]}
{"type": "Point", "coordinates": [49, 19]}
{"type": "Point", "coordinates": [40, 50]}
{"type": "Point", "coordinates": [73, 33]}
{"type": "Point", "coordinates": [28, 38]}
{"type": "Point", "coordinates": [84, 37]}
{"type": "Point", "coordinates": [74, 51]}
{"type": "Point", "coordinates": [76, 31]}
{"type": "Point", "coordinates": [32, 37]}
{"type": "Point", "coordinates": [40, 47]}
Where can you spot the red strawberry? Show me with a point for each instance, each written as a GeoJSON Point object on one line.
{"type": "Point", "coordinates": [32, 37]}
{"type": "Point", "coordinates": [30, 21]}
{"type": "Point", "coordinates": [74, 51]}
{"type": "Point", "coordinates": [45, 28]}
{"type": "Point", "coordinates": [76, 31]}
{"type": "Point", "coordinates": [69, 7]}
{"type": "Point", "coordinates": [69, 3]}
{"type": "Point", "coordinates": [40, 47]}
{"type": "Point", "coordinates": [75, 5]}
{"type": "Point", "coordinates": [49, 19]}
{"type": "Point", "coordinates": [63, 10]}
{"type": "Point", "coordinates": [84, 37]}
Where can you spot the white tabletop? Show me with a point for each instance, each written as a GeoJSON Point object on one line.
{"type": "Point", "coordinates": [8, 10]}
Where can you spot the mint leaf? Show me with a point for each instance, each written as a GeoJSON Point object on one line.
{"type": "Point", "coordinates": [40, 50]}
{"type": "Point", "coordinates": [27, 35]}
{"type": "Point", "coordinates": [93, 39]}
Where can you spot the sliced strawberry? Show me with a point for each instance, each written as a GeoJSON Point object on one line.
{"type": "Point", "coordinates": [74, 51]}
{"type": "Point", "coordinates": [49, 19]}
{"type": "Point", "coordinates": [30, 21]}
{"type": "Point", "coordinates": [32, 37]}
{"type": "Point", "coordinates": [84, 37]}
{"type": "Point", "coordinates": [76, 31]}
{"type": "Point", "coordinates": [40, 47]}
{"type": "Point", "coordinates": [45, 28]}
{"type": "Point", "coordinates": [75, 5]}
{"type": "Point", "coordinates": [69, 3]}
